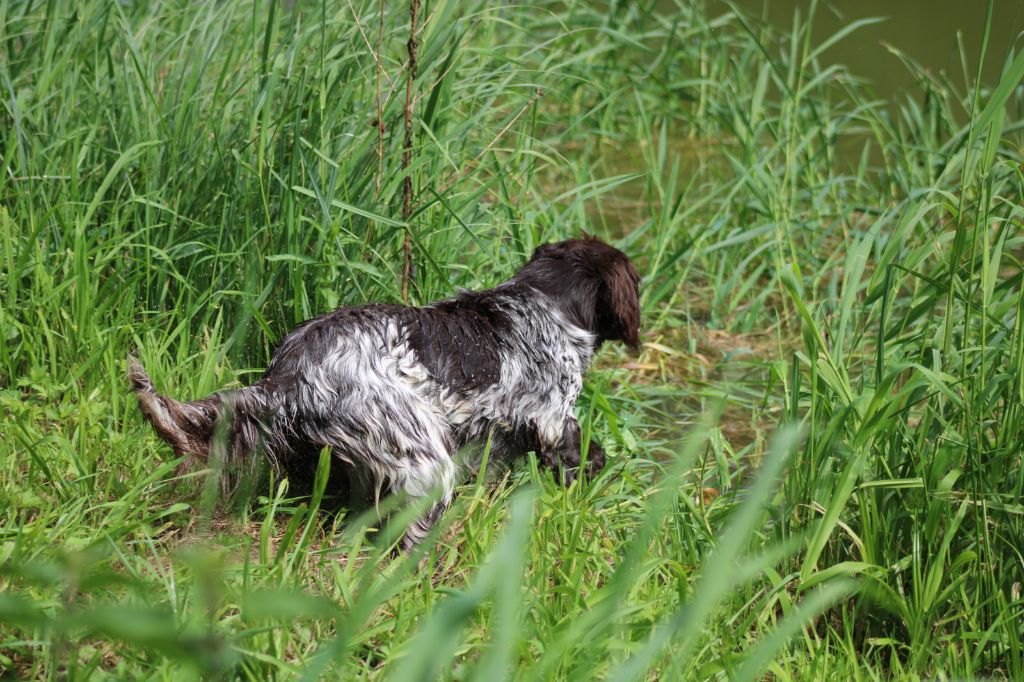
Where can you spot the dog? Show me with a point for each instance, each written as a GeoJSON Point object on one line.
{"type": "Point", "coordinates": [396, 391]}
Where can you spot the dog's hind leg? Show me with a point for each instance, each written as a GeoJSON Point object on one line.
{"type": "Point", "coordinates": [428, 476]}
{"type": "Point", "coordinates": [408, 456]}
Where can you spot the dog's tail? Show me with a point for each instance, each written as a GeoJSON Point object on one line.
{"type": "Point", "coordinates": [187, 427]}
{"type": "Point", "coordinates": [240, 420]}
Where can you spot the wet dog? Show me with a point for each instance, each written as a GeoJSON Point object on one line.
{"type": "Point", "coordinates": [396, 391]}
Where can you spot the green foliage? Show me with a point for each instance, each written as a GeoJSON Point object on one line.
{"type": "Point", "coordinates": [186, 181]}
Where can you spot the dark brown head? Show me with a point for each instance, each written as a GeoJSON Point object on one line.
{"type": "Point", "coordinates": [595, 285]}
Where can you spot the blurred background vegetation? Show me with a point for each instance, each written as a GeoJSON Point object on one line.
{"type": "Point", "coordinates": [815, 466]}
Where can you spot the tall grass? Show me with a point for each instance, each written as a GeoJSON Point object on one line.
{"type": "Point", "coordinates": [187, 180]}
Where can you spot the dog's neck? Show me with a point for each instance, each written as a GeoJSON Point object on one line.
{"type": "Point", "coordinates": [583, 341]}
{"type": "Point", "coordinates": [565, 317]}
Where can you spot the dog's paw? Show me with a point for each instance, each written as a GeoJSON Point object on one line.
{"type": "Point", "coordinates": [595, 459]}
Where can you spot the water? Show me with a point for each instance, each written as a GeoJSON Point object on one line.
{"type": "Point", "coordinates": [939, 35]}
{"type": "Point", "coordinates": [925, 30]}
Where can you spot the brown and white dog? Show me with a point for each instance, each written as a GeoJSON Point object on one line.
{"type": "Point", "coordinates": [396, 391]}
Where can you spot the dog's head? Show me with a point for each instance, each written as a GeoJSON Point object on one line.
{"type": "Point", "coordinates": [595, 284]}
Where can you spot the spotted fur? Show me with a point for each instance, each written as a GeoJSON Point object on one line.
{"type": "Point", "coordinates": [396, 391]}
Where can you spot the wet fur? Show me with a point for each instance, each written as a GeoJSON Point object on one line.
{"type": "Point", "coordinates": [397, 391]}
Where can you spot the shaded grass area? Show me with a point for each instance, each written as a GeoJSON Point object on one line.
{"type": "Point", "coordinates": [815, 462]}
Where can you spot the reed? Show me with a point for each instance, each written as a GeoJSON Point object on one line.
{"type": "Point", "coordinates": [815, 463]}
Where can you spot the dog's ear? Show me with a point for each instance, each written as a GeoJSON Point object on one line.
{"type": "Point", "coordinates": [618, 303]}
{"type": "Point", "coordinates": [593, 282]}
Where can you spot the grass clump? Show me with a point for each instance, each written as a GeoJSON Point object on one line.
{"type": "Point", "coordinates": [815, 459]}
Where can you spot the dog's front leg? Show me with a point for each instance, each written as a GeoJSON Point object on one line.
{"type": "Point", "coordinates": [562, 453]}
